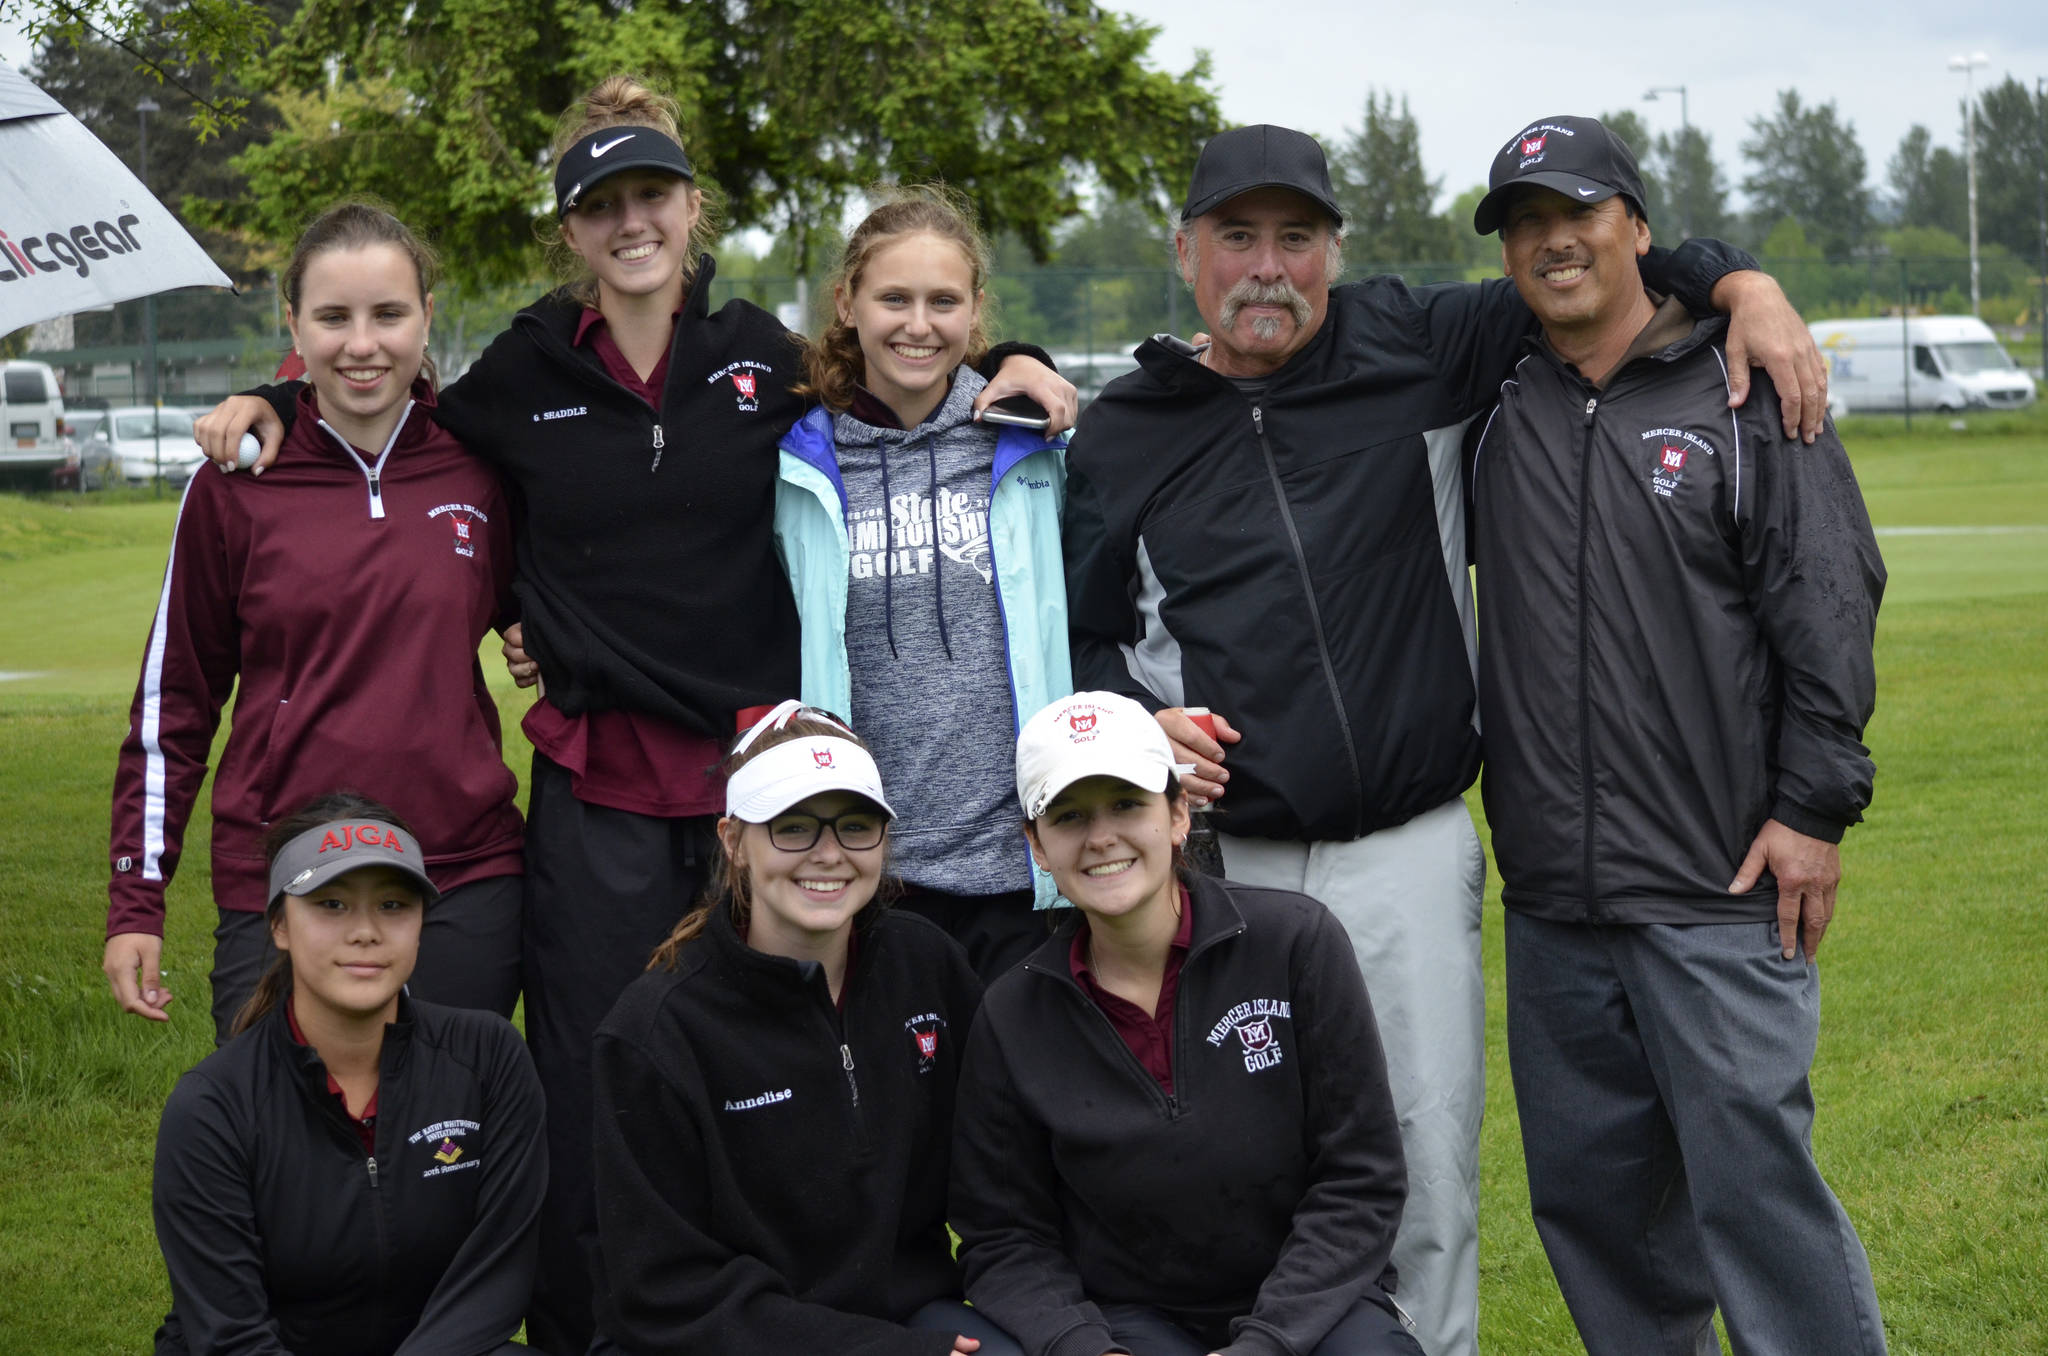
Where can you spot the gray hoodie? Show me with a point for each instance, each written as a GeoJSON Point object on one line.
{"type": "Point", "coordinates": [924, 639]}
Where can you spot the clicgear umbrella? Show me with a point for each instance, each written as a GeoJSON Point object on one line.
{"type": "Point", "coordinates": [76, 228]}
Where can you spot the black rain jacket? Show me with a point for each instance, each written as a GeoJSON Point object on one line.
{"type": "Point", "coordinates": [1676, 614]}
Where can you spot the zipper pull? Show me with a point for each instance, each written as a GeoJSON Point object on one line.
{"type": "Point", "coordinates": [1259, 421]}
{"type": "Point", "coordinates": [373, 1172]}
{"type": "Point", "coordinates": [1591, 405]}
{"type": "Point", "coordinates": [846, 1063]}
{"type": "Point", "coordinates": [655, 465]}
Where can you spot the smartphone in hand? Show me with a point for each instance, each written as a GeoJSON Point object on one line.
{"type": "Point", "coordinates": [1022, 411]}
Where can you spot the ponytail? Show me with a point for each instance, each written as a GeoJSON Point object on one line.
{"type": "Point", "coordinates": [270, 990]}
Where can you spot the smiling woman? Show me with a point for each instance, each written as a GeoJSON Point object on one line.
{"type": "Point", "coordinates": [774, 1097]}
{"type": "Point", "coordinates": [896, 501]}
{"type": "Point", "coordinates": [282, 594]}
{"type": "Point", "coordinates": [336, 1086]}
{"type": "Point", "coordinates": [1120, 1071]}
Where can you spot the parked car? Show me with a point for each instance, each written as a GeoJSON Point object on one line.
{"type": "Point", "coordinates": [138, 432]}
{"type": "Point", "coordinates": [32, 417]}
{"type": "Point", "coordinates": [90, 465]}
{"type": "Point", "coordinates": [85, 425]}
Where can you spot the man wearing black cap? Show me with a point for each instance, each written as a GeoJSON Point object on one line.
{"type": "Point", "coordinates": [1273, 527]}
{"type": "Point", "coordinates": [1675, 672]}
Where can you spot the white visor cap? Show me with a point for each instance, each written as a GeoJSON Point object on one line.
{"type": "Point", "coordinates": [789, 774]}
{"type": "Point", "coordinates": [1090, 734]}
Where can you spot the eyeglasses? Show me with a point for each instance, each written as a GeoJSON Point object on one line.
{"type": "Point", "coordinates": [856, 830]}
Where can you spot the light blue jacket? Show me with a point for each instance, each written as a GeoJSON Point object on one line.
{"type": "Point", "coordinates": [1027, 492]}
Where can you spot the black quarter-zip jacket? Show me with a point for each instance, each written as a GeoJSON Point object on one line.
{"type": "Point", "coordinates": [1677, 609]}
{"type": "Point", "coordinates": [1258, 1202]}
{"type": "Point", "coordinates": [647, 575]}
{"type": "Point", "coordinates": [771, 1170]}
{"type": "Point", "coordinates": [282, 1236]}
{"type": "Point", "coordinates": [1296, 560]}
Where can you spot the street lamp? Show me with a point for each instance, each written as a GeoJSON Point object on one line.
{"type": "Point", "coordinates": [143, 108]}
{"type": "Point", "coordinates": [1684, 138]}
{"type": "Point", "coordinates": [1968, 66]}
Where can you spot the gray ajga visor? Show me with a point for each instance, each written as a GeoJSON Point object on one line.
{"type": "Point", "coordinates": [320, 854]}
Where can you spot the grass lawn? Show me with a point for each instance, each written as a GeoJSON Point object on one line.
{"type": "Point", "coordinates": [1933, 1071]}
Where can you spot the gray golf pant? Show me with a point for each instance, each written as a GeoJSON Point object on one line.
{"type": "Point", "coordinates": [1409, 897]}
{"type": "Point", "coordinates": [1661, 1077]}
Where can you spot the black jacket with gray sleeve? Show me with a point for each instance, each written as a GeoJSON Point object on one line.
{"type": "Point", "coordinates": [1677, 608]}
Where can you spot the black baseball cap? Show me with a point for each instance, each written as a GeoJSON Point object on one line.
{"type": "Point", "coordinates": [1261, 156]}
{"type": "Point", "coordinates": [609, 151]}
{"type": "Point", "coordinates": [1578, 157]}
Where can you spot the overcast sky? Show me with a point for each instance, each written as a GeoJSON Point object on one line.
{"type": "Point", "coordinates": [1475, 72]}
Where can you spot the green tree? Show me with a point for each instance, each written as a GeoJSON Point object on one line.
{"type": "Point", "coordinates": [1928, 183]}
{"type": "Point", "coordinates": [1695, 190]}
{"type": "Point", "coordinates": [1809, 166]}
{"type": "Point", "coordinates": [1120, 233]}
{"type": "Point", "coordinates": [170, 43]}
{"type": "Point", "coordinates": [101, 82]}
{"type": "Point", "coordinates": [1480, 254]}
{"type": "Point", "coordinates": [2012, 149]}
{"type": "Point", "coordinates": [1389, 201]}
{"type": "Point", "coordinates": [1930, 262]}
{"type": "Point", "coordinates": [790, 107]}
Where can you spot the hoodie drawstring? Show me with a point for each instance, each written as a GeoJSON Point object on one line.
{"type": "Point", "coordinates": [931, 453]}
{"type": "Point", "coordinates": [888, 559]}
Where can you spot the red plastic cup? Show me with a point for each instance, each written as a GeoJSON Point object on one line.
{"type": "Point", "coordinates": [1204, 721]}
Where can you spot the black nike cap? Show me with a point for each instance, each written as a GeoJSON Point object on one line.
{"type": "Point", "coordinates": [613, 150]}
{"type": "Point", "coordinates": [1578, 157]}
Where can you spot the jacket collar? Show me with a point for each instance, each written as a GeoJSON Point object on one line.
{"type": "Point", "coordinates": [1217, 919]}
{"type": "Point", "coordinates": [811, 440]}
{"type": "Point", "coordinates": [1665, 339]}
{"type": "Point", "coordinates": [558, 314]}
{"type": "Point", "coordinates": [1178, 366]}
{"type": "Point", "coordinates": [310, 1070]}
{"type": "Point", "coordinates": [417, 428]}
{"type": "Point", "coordinates": [778, 979]}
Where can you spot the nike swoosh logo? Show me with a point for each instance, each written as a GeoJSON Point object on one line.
{"type": "Point", "coordinates": [1584, 192]}
{"type": "Point", "coordinates": [596, 151]}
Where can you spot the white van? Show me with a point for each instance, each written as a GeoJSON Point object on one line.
{"type": "Point", "coordinates": [1942, 362]}
{"type": "Point", "coordinates": [31, 417]}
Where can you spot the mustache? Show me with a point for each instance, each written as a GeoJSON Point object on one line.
{"type": "Point", "coordinates": [1250, 293]}
{"type": "Point", "coordinates": [1562, 259]}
